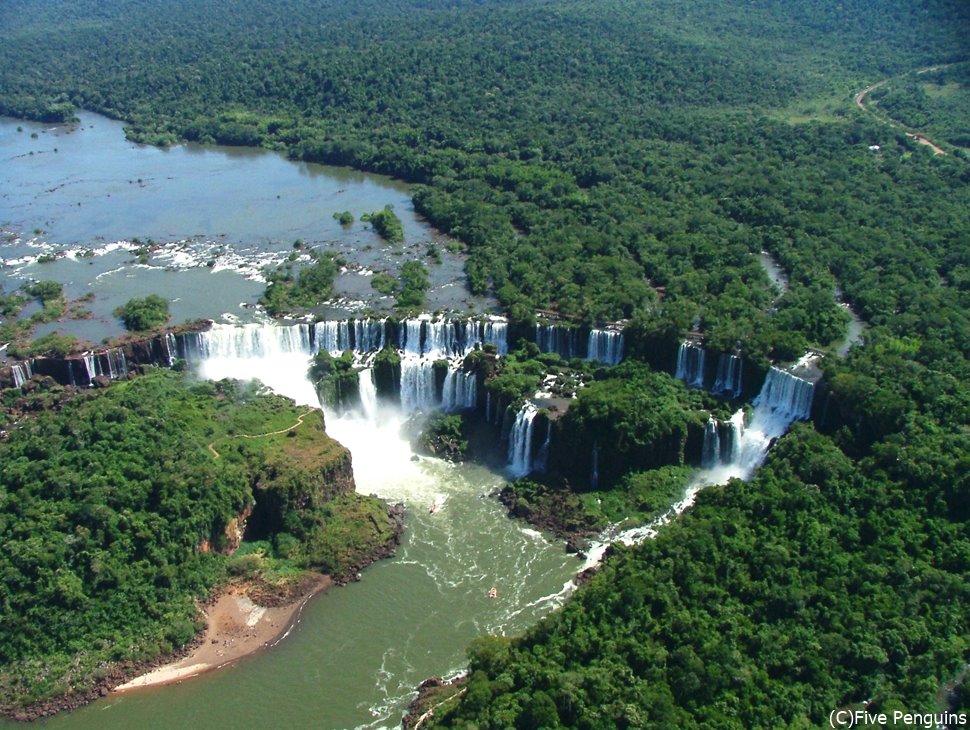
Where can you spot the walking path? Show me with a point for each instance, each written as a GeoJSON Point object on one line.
{"type": "Point", "coordinates": [299, 422]}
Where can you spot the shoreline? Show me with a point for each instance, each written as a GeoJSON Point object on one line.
{"type": "Point", "coordinates": [129, 676]}
{"type": "Point", "coordinates": [271, 624]}
{"type": "Point", "coordinates": [236, 627]}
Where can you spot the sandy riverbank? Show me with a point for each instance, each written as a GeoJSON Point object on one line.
{"type": "Point", "coordinates": [237, 627]}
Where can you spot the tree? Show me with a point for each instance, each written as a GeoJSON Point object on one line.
{"type": "Point", "coordinates": [414, 285]}
{"type": "Point", "coordinates": [144, 314]}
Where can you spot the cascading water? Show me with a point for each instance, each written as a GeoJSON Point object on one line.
{"type": "Point", "coordinates": [332, 336]}
{"type": "Point", "coordinates": [732, 439]}
{"type": "Point", "coordinates": [520, 441]}
{"type": "Point", "coordinates": [416, 614]}
{"type": "Point", "coordinates": [727, 382]}
{"type": "Point", "coordinates": [368, 393]}
{"type": "Point", "coordinates": [369, 335]}
{"type": "Point", "coordinates": [22, 372]}
{"type": "Point", "coordinates": [690, 365]}
{"type": "Point", "coordinates": [248, 341]}
{"type": "Point", "coordinates": [784, 398]}
{"type": "Point", "coordinates": [90, 365]}
{"type": "Point", "coordinates": [109, 364]}
{"type": "Point", "coordinates": [171, 348]}
{"type": "Point", "coordinates": [723, 441]}
{"type": "Point", "coordinates": [417, 385]}
{"type": "Point", "coordinates": [421, 341]}
{"type": "Point", "coordinates": [605, 346]}
{"type": "Point", "coordinates": [493, 332]}
{"type": "Point", "coordinates": [711, 453]}
{"type": "Point", "coordinates": [460, 391]}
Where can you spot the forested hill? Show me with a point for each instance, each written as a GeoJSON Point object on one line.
{"type": "Point", "coordinates": [612, 159]}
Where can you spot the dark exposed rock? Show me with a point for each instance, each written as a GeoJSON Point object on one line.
{"type": "Point", "coordinates": [552, 510]}
{"type": "Point", "coordinates": [396, 514]}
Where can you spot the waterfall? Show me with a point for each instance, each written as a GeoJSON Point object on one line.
{"type": "Point", "coordinates": [711, 454]}
{"type": "Point", "coordinates": [728, 379]}
{"type": "Point", "coordinates": [467, 391]}
{"type": "Point", "coordinates": [520, 441]}
{"type": "Point", "coordinates": [784, 398]}
{"type": "Point", "coordinates": [494, 332]}
{"type": "Point", "coordinates": [417, 385]}
{"type": "Point", "coordinates": [22, 372]}
{"type": "Point", "coordinates": [368, 335]}
{"type": "Point", "coordinates": [332, 336]}
{"type": "Point", "coordinates": [605, 346]}
{"type": "Point", "coordinates": [90, 365]}
{"type": "Point", "coordinates": [418, 336]}
{"type": "Point", "coordinates": [248, 341]}
{"type": "Point", "coordinates": [368, 393]}
{"type": "Point", "coordinates": [448, 390]}
{"type": "Point", "coordinates": [117, 364]}
{"type": "Point", "coordinates": [409, 336]}
{"type": "Point", "coordinates": [421, 341]}
{"type": "Point", "coordinates": [172, 348]}
{"type": "Point", "coordinates": [488, 406]}
{"type": "Point", "coordinates": [460, 390]}
{"type": "Point", "coordinates": [110, 364]}
{"type": "Point", "coordinates": [731, 441]}
{"type": "Point", "coordinates": [690, 365]}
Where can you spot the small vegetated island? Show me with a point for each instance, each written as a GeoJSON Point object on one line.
{"type": "Point", "coordinates": [121, 510]}
{"type": "Point", "coordinates": [601, 161]}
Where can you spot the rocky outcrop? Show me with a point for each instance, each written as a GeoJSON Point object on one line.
{"type": "Point", "coordinates": [387, 549]}
{"type": "Point", "coordinates": [433, 693]}
{"type": "Point", "coordinates": [302, 483]}
{"type": "Point", "coordinates": [558, 511]}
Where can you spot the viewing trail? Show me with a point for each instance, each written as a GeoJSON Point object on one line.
{"type": "Point", "coordinates": [299, 422]}
{"type": "Point", "coordinates": [860, 101]}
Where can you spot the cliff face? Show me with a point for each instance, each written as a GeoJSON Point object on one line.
{"type": "Point", "coordinates": [298, 480]}
{"type": "Point", "coordinates": [103, 363]}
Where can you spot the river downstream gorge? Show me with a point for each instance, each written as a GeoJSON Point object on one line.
{"type": "Point", "coordinates": [465, 569]}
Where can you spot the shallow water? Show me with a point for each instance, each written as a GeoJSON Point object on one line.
{"type": "Point", "coordinates": [218, 216]}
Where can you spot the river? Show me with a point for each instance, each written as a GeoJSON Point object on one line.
{"type": "Point", "coordinates": [87, 198]}
{"type": "Point", "coordinates": [359, 651]}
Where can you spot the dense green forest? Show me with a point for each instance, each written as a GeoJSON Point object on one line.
{"type": "Point", "coordinates": [607, 159]}
{"type": "Point", "coordinates": [118, 509]}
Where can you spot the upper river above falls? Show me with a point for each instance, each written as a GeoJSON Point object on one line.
{"type": "Point", "coordinates": [86, 197]}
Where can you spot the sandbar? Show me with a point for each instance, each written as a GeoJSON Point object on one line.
{"type": "Point", "coordinates": [237, 626]}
